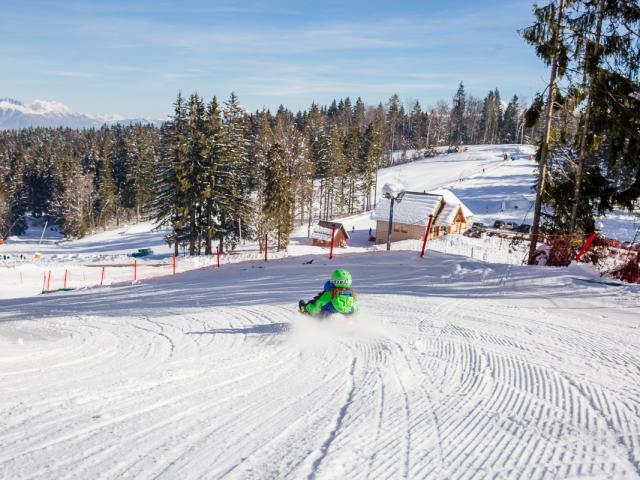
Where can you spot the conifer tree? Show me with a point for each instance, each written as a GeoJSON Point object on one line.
{"type": "Point", "coordinates": [234, 202]}
{"type": "Point", "coordinates": [511, 122]}
{"type": "Point", "coordinates": [278, 196]}
{"type": "Point", "coordinates": [458, 129]}
{"type": "Point", "coordinates": [546, 34]}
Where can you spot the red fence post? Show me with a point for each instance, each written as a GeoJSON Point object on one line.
{"type": "Point", "coordinates": [426, 236]}
{"type": "Point", "coordinates": [218, 256]}
{"type": "Point", "coordinates": [64, 283]}
{"type": "Point", "coordinates": [266, 238]}
{"type": "Point", "coordinates": [333, 232]}
{"type": "Point", "coordinates": [586, 246]}
{"type": "Point", "coordinates": [135, 269]}
{"type": "Point", "coordinates": [49, 281]}
{"type": "Point", "coordinates": [102, 277]}
{"type": "Point", "coordinates": [44, 283]}
{"type": "Point", "coordinates": [174, 263]}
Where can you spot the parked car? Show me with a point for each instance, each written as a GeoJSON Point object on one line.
{"type": "Point", "coordinates": [142, 252]}
{"type": "Point", "coordinates": [499, 224]}
{"type": "Point", "coordinates": [478, 225]}
{"type": "Point", "coordinates": [524, 228]}
{"type": "Point", "coordinates": [511, 226]}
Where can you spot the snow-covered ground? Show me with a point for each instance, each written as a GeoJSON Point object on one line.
{"type": "Point", "coordinates": [455, 369]}
{"type": "Point", "coordinates": [493, 188]}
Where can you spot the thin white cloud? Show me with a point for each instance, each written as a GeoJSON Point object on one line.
{"type": "Point", "coordinates": [70, 74]}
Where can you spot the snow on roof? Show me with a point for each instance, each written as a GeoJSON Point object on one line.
{"type": "Point", "coordinates": [447, 215]}
{"type": "Point", "coordinates": [415, 208]}
{"type": "Point", "coordinates": [322, 230]}
{"type": "Point", "coordinates": [451, 199]}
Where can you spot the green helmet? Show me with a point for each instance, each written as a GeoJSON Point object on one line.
{"type": "Point", "coordinates": [341, 278]}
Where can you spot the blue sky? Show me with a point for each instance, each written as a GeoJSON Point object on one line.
{"type": "Point", "coordinates": [132, 56]}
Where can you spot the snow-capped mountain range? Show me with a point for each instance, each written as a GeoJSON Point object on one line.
{"type": "Point", "coordinates": [42, 113]}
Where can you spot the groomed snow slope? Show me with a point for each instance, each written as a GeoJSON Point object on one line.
{"type": "Point", "coordinates": [455, 369]}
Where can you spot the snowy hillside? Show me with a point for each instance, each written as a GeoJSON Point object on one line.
{"type": "Point", "coordinates": [41, 113]}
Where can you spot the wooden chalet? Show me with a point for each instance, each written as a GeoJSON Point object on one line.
{"type": "Point", "coordinates": [411, 216]}
{"type": "Point", "coordinates": [321, 235]}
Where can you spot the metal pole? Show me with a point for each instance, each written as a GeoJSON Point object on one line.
{"type": "Point", "coordinates": [333, 231]}
{"type": "Point", "coordinates": [393, 199]}
{"type": "Point", "coordinates": [43, 230]}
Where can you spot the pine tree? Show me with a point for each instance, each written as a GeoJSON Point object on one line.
{"type": "Point", "coordinates": [511, 122]}
{"type": "Point", "coordinates": [546, 34]}
{"type": "Point", "coordinates": [169, 205]}
{"type": "Point", "coordinates": [278, 196]}
{"type": "Point", "coordinates": [213, 153]}
{"type": "Point", "coordinates": [371, 155]}
{"type": "Point", "coordinates": [234, 202]}
{"type": "Point", "coordinates": [458, 134]}
{"type": "Point", "coordinates": [394, 118]}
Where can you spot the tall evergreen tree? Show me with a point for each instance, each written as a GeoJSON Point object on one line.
{"type": "Point", "coordinates": [278, 196]}
{"type": "Point", "coordinates": [458, 134]}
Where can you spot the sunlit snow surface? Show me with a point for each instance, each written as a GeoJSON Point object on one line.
{"type": "Point", "coordinates": [454, 369]}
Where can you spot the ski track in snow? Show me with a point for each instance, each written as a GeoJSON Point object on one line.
{"type": "Point", "coordinates": [463, 372]}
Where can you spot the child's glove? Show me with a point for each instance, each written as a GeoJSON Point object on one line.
{"type": "Point", "coordinates": [302, 306]}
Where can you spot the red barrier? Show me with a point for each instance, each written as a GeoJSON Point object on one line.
{"type": "Point", "coordinates": [218, 256]}
{"type": "Point", "coordinates": [426, 236]}
{"type": "Point", "coordinates": [102, 277]}
{"type": "Point", "coordinates": [333, 234]}
{"type": "Point", "coordinates": [174, 263]}
{"type": "Point", "coordinates": [586, 246]}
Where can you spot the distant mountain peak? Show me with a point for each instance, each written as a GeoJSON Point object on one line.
{"type": "Point", "coordinates": [15, 114]}
{"type": "Point", "coordinates": [11, 101]}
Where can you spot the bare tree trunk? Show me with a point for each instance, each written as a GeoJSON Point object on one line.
{"type": "Point", "coordinates": [544, 147]}
{"type": "Point", "coordinates": [584, 131]}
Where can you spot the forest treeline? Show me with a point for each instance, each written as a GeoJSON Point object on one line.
{"type": "Point", "coordinates": [589, 113]}
{"type": "Point", "coordinates": [217, 174]}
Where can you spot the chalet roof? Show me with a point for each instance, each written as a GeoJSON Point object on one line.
{"type": "Point", "coordinates": [322, 230]}
{"type": "Point", "coordinates": [415, 208]}
{"type": "Point", "coordinates": [451, 199]}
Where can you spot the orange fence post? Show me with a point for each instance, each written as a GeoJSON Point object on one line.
{"type": "Point", "coordinates": [49, 281]}
{"type": "Point", "coordinates": [135, 269]}
{"type": "Point", "coordinates": [586, 246]}
{"type": "Point", "coordinates": [64, 282]}
{"type": "Point", "coordinates": [218, 256]}
{"type": "Point", "coordinates": [333, 234]}
{"type": "Point", "coordinates": [102, 277]}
